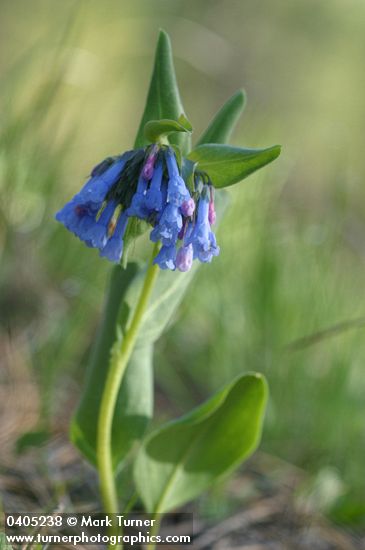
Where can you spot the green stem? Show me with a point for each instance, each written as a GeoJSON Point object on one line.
{"type": "Point", "coordinates": [119, 362]}
{"type": "Point", "coordinates": [154, 531]}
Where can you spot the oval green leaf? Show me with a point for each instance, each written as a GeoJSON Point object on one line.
{"type": "Point", "coordinates": [228, 165]}
{"type": "Point", "coordinates": [182, 459]}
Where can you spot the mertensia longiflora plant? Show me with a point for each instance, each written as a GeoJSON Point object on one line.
{"type": "Point", "coordinates": [174, 193]}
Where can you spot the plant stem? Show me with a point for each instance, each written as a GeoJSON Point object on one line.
{"type": "Point", "coordinates": [154, 531]}
{"type": "Point", "coordinates": [119, 362]}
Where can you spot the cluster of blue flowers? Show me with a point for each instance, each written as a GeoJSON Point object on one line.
{"type": "Point", "coordinates": [146, 184]}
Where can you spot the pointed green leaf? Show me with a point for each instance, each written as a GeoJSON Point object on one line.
{"type": "Point", "coordinates": [163, 102]}
{"type": "Point", "coordinates": [227, 165]}
{"type": "Point", "coordinates": [182, 459]}
{"type": "Point", "coordinates": [154, 130]}
{"type": "Point", "coordinates": [222, 125]}
{"type": "Point", "coordinates": [163, 99]}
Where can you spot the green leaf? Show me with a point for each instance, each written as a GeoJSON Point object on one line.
{"type": "Point", "coordinates": [187, 171]}
{"type": "Point", "coordinates": [135, 398]}
{"type": "Point", "coordinates": [135, 403]}
{"type": "Point", "coordinates": [163, 99]}
{"type": "Point", "coordinates": [227, 165]}
{"type": "Point", "coordinates": [182, 459]}
{"type": "Point", "coordinates": [163, 102]}
{"type": "Point", "coordinates": [222, 125]}
{"type": "Point", "coordinates": [185, 122]}
{"type": "Point", "coordinates": [166, 297]}
{"type": "Point", "coordinates": [154, 130]}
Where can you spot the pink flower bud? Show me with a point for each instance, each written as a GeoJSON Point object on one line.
{"type": "Point", "coordinates": [149, 166]}
{"type": "Point", "coordinates": [148, 170]}
{"type": "Point", "coordinates": [184, 258]}
{"type": "Point", "coordinates": [188, 208]}
{"type": "Point", "coordinates": [211, 214]}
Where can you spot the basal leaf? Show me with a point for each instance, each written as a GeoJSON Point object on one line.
{"type": "Point", "coordinates": [222, 125]}
{"type": "Point", "coordinates": [163, 99]}
{"type": "Point", "coordinates": [227, 165]}
{"type": "Point", "coordinates": [182, 459]}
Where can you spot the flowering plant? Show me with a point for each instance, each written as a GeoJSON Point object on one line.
{"type": "Point", "coordinates": [171, 190]}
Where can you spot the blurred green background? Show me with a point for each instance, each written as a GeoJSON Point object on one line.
{"type": "Point", "coordinates": [74, 77]}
